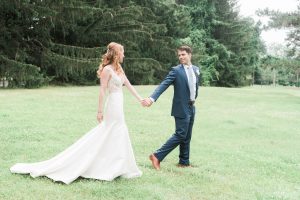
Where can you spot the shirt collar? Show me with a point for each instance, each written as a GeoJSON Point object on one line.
{"type": "Point", "coordinates": [187, 66]}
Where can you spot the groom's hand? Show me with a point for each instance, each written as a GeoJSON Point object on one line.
{"type": "Point", "coordinates": [144, 103]}
{"type": "Point", "coordinates": [147, 102]}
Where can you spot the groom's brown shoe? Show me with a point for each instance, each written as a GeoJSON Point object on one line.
{"type": "Point", "coordinates": [155, 162]}
{"type": "Point", "coordinates": [184, 166]}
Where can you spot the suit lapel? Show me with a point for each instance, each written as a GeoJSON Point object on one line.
{"type": "Point", "coordinates": [184, 75]}
{"type": "Point", "coordinates": [196, 74]}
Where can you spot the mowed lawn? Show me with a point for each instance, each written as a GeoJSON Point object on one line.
{"type": "Point", "coordinates": [245, 144]}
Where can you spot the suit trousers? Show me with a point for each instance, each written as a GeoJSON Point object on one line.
{"type": "Point", "coordinates": [181, 137]}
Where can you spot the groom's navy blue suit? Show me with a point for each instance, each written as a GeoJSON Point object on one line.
{"type": "Point", "coordinates": [183, 111]}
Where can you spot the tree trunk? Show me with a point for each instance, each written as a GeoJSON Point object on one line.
{"type": "Point", "coordinates": [253, 81]}
{"type": "Point", "coordinates": [274, 77]}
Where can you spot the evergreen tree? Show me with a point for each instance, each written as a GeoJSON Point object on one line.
{"type": "Point", "coordinates": [289, 20]}
{"type": "Point", "coordinates": [23, 36]}
{"type": "Point", "coordinates": [242, 45]}
{"type": "Point", "coordinates": [63, 40]}
{"type": "Point", "coordinates": [227, 46]}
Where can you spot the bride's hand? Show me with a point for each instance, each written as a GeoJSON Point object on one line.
{"type": "Point", "coordinates": [141, 101]}
{"type": "Point", "coordinates": [100, 117]}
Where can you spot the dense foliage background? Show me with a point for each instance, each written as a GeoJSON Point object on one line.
{"type": "Point", "coordinates": [61, 41]}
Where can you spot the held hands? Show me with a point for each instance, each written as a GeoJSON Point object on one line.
{"type": "Point", "coordinates": [146, 102]}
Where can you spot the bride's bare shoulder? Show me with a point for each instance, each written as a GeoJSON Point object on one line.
{"type": "Point", "coordinates": [106, 72]}
{"type": "Point", "coordinates": [107, 69]}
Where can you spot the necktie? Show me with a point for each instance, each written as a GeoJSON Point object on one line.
{"type": "Point", "coordinates": [191, 83]}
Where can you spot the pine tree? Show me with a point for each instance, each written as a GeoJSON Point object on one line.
{"type": "Point", "coordinates": [67, 38]}
{"type": "Point", "coordinates": [290, 20]}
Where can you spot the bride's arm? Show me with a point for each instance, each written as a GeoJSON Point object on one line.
{"type": "Point", "coordinates": [132, 89]}
{"type": "Point", "coordinates": [104, 78]}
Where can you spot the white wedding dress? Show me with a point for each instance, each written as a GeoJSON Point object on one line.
{"type": "Point", "coordinates": [103, 153]}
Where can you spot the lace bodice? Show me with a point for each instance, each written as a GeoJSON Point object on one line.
{"type": "Point", "coordinates": [115, 83]}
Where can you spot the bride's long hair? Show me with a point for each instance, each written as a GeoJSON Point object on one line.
{"type": "Point", "coordinates": [111, 57]}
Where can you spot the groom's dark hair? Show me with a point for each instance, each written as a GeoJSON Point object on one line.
{"type": "Point", "coordinates": [185, 48]}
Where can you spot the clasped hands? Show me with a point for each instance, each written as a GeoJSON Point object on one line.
{"type": "Point", "coordinates": [147, 102]}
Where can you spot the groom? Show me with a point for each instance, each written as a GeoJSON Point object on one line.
{"type": "Point", "coordinates": [185, 79]}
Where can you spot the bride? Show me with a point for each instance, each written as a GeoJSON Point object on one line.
{"type": "Point", "coordinates": [104, 152]}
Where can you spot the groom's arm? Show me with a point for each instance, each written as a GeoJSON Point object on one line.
{"type": "Point", "coordinates": [164, 85]}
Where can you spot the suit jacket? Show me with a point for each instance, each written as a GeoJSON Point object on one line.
{"type": "Point", "coordinates": [178, 78]}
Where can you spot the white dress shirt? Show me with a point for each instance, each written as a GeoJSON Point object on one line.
{"type": "Point", "coordinates": [193, 74]}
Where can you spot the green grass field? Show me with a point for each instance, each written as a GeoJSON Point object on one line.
{"type": "Point", "coordinates": [245, 145]}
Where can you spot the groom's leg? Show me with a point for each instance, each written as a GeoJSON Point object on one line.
{"type": "Point", "coordinates": [182, 125]}
{"type": "Point", "coordinates": [184, 148]}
